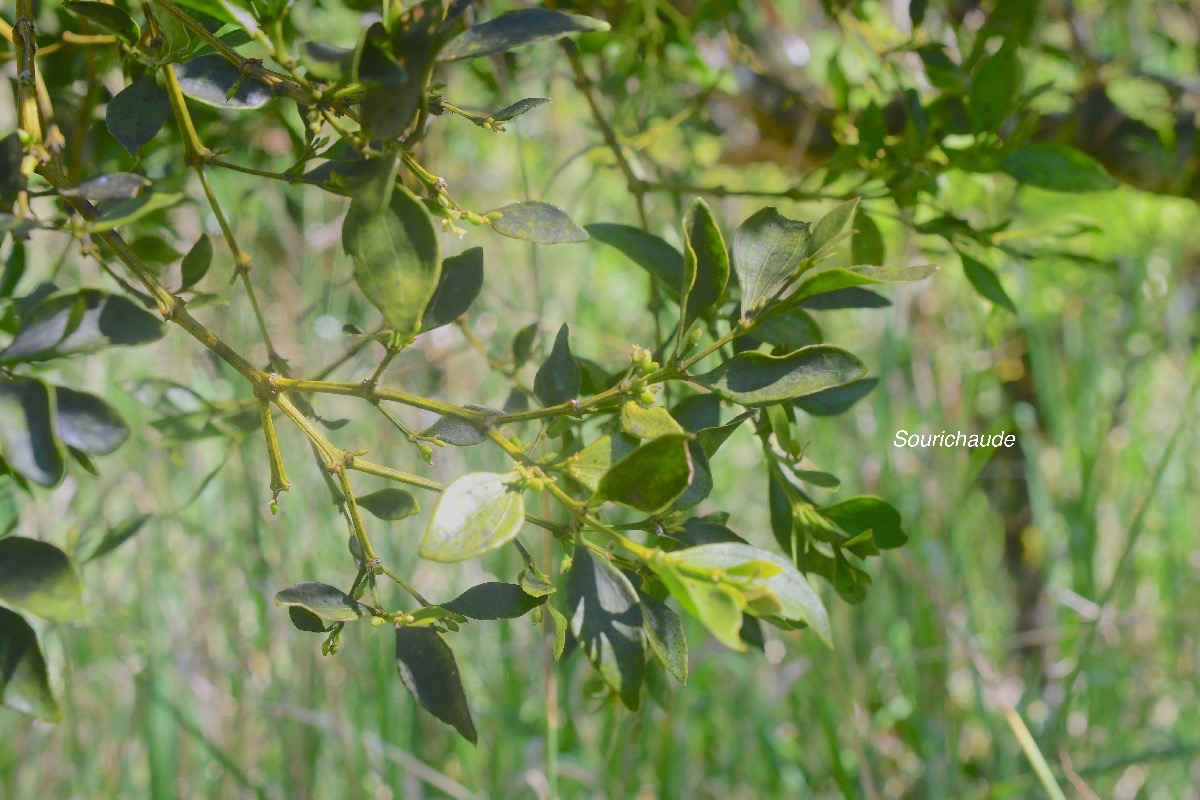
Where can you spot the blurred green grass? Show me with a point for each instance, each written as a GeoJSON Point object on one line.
{"type": "Point", "coordinates": [186, 681]}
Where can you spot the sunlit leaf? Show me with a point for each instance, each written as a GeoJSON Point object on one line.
{"type": "Point", "coordinates": [494, 601]}
{"type": "Point", "coordinates": [390, 504]}
{"type": "Point", "coordinates": [767, 250]}
{"type": "Point", "coordinates": [590, 464]}
{"type": "Point", "coordinates": [647, 423]}
{"type": "Point", "coordinates": [756, 379]}
{"type": "Point", "coordinates": [652, 476]}
{"type": "Point", "coordinates": [986, 282]}
{"type": "Point", "coordinates": [831, 280]}
{"type": "Point", "coordinates": [24, 682]}
{"type": "Point", "coordinates": [830, 226]}
{"type": "Point", "coordinates": [39, 578]}
{"type": "Point", "coordinates": [327, 602]}
{"type": "Point", "coordinates": [705, 265]}
{"type": "Point", "coordinates": [475, 514]}
{"type": "Point", "coordinates": [539, 222]}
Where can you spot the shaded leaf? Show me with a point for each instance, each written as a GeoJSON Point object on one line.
{"type": "Point", "coordinates": [664, 633]}
{"type": "Point", "coordinates": [534, 221]}
{"type": "Point", "coordinates": [135, 115]}
{"type": "Point", "coordinates": [606, 619]}
{"type": "Point", "coordinates": [458, 285]}
{"type": "Point", "coordinates": [111, 18]}
{"type": "Point", "coordinates": [994, 90]}
{"type": "Point", "coordinates": [522, 346]}
{"type": "Point", "coordinates": [39, 578]}
{"type": "Point", "coordinates": [767, 250]}
{"type": "Point", "coordinates": [652, 476]}
{"type": "Point", "coordinates": [494, 601]}
{"type": "Point", "coordinates": [429, 672]}
{"type": "Point", "coordinates": [793, 329]}
{"type": "Point", "coordinates": [389, 103]}
{"type": "Point", "coordinates": [756, 379]}
{"type": "Point", "coordinates": [854, 297]}
{"type": "Point", "coordinates": [475, 514]}
{"type": "Point", "coordinates": [129, 211]}
{"type": "Point", "coordinates": [559, 378]}
{"type": "Point", "coordinates": [456, 431]}
{"type": "Point", "coordinates": [831, 280]}
{"type": "Point", "coordinates": [518, 108]}
{"type": "Point", "coordinates": [306, 621]}
{"type": "Point", "coordinates": [328, 62]}
{"type": "Point", "coordinates": [590, 464]}
{"type": "Point", "coordinates": [705, 265]}
{"type": "Point", "coordinates": [323, 600]}
{"type": "Point", "coordinates": [866, 246]}
{"type": "Point", "coordinates": [24, 682]}
{"type": "Point", "coordinates": [986, 282]}
{"type": "Point", "coordinates": [28, 442]}
{"type": "Point", "coordinates": [114, 186]}
{"type": "Point", "coordinates": [698, 411]}
{"type": "Point", "coordinates": [648, 251]}
{"type": "Point", "coordinates": [389, 504]}
{"type": "Point", "coordinates": [830, 226]}
{"type": "Point", "coordinates": [856, 515]}
{"type": "Point", "coordinates": [196, 263]}
{"type": "Point", "coordinates": [834, 401]}
{"type": "Point", "coordinates": [116, 536]}
{"type": "Point", "coordinates": [81, 322]}
{"type": "Point", "coordinates": [87, 423]}
{"type": "Point", "coordinates": [1058, 168]}
{"type": "Point", "coordinates": [520, 28]}
{"type": "Point", "coordinates": [210, 79]}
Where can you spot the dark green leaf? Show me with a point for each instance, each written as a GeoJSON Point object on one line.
{"type": "Point", "coordinates": [854, 297]}
{"type": "Point", "coordinates": [645, 249]}
{"type": "Point", "coordinates": [390, 101]}
{"type": "Point", "coordinates": [28, 441]}
{"type": "Point", "coordinates": [209, 80]}
{"type": "Point", "coordinates": [459, 432]}
{"type": "Point", "coordinates": [38, 577]}
{"type": "Point", "coordinates": [154, 249]}
{"type": "Point", "coordinates": [831, 280]}
{"type": "Point", "coordinates": [834, 401]}
{"type": "Point", "coordinates": [389, 504]}
{"type": "Point", "coordinates": [307, 621]}
{"type": "Point", "coordinates": [543, 223]}
{"type": "Point", "coordinates": [475, 514]}
{"type": "Point", "coordinates": [606, 619]}
{"type": "Point", "coordinates": [520, 28]}
{"type": "Point", "coordinates": [518, 108]}
{"type": "Point", "coordinates": [590, 464]}
{"type": "Point", "coordinates": [767, 250]}
{"type": "Point", "coordinates": [830, 226]}
{"type": "Point", "coordinates": [24, 683]}
{"type": "Point", "coordinates": [1058, 168]}
{"type": "Point", "coordinates": [129, 211]}
{"type": "Point", "coordinates": [705, 265]}
{"type": "Point", "coordinates": [458, 286]}
{"type": "Point", "coordinates": [856, 515]}
{"type": "Point", "coordinates": [87, 423]}
{"type": "Point", "coordinates": [429, 672]}
{"type": "Point", "coordinates": [697, 531]}
{"type": "Point", "coordinates": [701, 485]}
{"type": "Point", "coordinates": [698, 411]}
{"type": "Point", "coordinates": [664, 633]}
{"type": "Point", "coordinates": [327, 602]}
{"type": "Point", "coordinates": [196, 263]}
{"type": "Point", "coordinates": [651, 477]}
{"type": "Point", "coordinates": [494, 601]}
{"type": "Point", "coordinates": [994, 90]}
{"type": "Point", "coordinates": [559, 378]}
{"type": "Point", "coordinates": [116, 536]}
{"type": "Point", "coordinates": [136, 113]}
{"type": "Point", "coordinates": [647, 423]}
{"type": "Point", "coordinates": [792, 330]}
{"type": "Point", "coordinates": [327, 62]}
{"type": "Point", "coordinates": [522, 346]}
{"type": "Point", "coordinates": [114, 186]}
{"type": "Point", "coordinates": [81, 322]}
{"type": "Point", "coordinates": [756, 379]}
{"type": "Point", "coordinates": [986, 283]}
{"type": "Point", "coordinates": [111, 18]}
{"type": "Point", "coordinates": [866, 246]}
{"type": "Point", "coordinates": [396, 255]}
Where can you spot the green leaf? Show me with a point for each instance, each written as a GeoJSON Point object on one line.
{"type": "Point", "coordinates": [494, 601]}
{"type": "Point", "coordinates": [646, 250]}
{"type": "Point", "coordinates": [866, 246]}
{"type": "Point", "coordinates": [518, 108]}
{"type": "Point", "coordinates": [391, 100]}
{"type": "Point", "coordinates": [135, 115]}
{"type": "Point", "coordinates": [38, 577]}
{"type": "Point", "coordinates": [459, 432]}
{"type": "Point", "coordinates": [767, 250]}
{"type": "Point", "coordinates": [651, 477]}
{"type": "Point", "coordinates": [831, 402]}
{"type": "Point", "coordinates": [561, 627]}
{"type": "Point", "coordinates": [395, 250]}
{"type": "Point", "coordinates": [520, 28]}
{"type": "Point", "coordinates": [215, 82]}
{"type": "Point", "coordinates": [1058, 168]}
{"type": "Point", "coordinates": [327, 602]}
{"type": "Point", "coordinates": [829, 227]}
{"type": "Point", "coordinates": [854, 297]}
{"type": "Point", "coordinates": [390, 504]}
{"type": "Point", "coordinates": [111, 18]}
{"type": "Point", "coordinates": [647, 423]}
{"type": "Point", "coordinates": [116, 536]}
{"type": "Point", "coordinates": [590, 464]}
{"type": "Point", "coordinates": [176, 40]}
{"type": "Point", "coordinates": [24, 682]}
{"type": "Point", "coordinates": [534, 582]}
{"type": "Point", "coordinates": [606, 619]}
{"type": "Point", "coordinates": [522, 346]}
{"type": "Point", "coordinates": [856, 515]}
{"type": "Point", "coordinates": [534, 221]}
{"type": "Point", "coordinates": [994, 90]}
{"type": "Point", "coordinates": [429, 672]}
{"type": "Point", "coordinates": [27, 431]}
{"type": "Point", "coordinates": [129, 211]}
{"type": "Point", "coordinates": [87, 423]}
{"type": "Point", "coordinates": [831, 280]}
{"type": "Point", "coordinates": [559, 378]}
{"type": "Point", "coordinates": [798, 601]}
{"type": "Point", "coordinates": [196, 263]}
{"type": "Point", "coordinates": [793, 329]}
{"type": "Point", "coordinates": [986, 282]}
{"type": "Point", "coordinates": [756, 379]}
{"type": "Point", "coordinates": [328, 62]}
{"type": "Point", "coordinates": [664, 633]}
{"type": "Point", "coordinates": [81, 322]}
{"type": "Point", "coordinates": [306, 621]}
{"type": "Point", "coordinates": [458, 285]}
{"type": "Point", "coordinates": [114, 186]}
{"type": "Point", "coordinates": [475, 514]}
{"type": "Point", "coordinates": [705, 265]}
{"type": "Point", "coordinates": [717, 606]}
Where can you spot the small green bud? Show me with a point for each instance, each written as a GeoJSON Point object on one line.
{"type": "Point", "coordinates": [426, 452]}
{"type": "Point", "coordinates": [377, 621]}
{"type": "Point", "coordinates": [647, 397]}
{"type": "Point", "coordinates": [274, 508]}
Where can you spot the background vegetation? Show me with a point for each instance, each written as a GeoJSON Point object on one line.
{"type": "Point", "coordinates": [1046, 593]}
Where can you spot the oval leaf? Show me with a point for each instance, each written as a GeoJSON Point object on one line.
{"type": "Point", "coordinates": [559, 378]}
{"type": "Point", "coordinates": [664, 633]}
{"type": "Point", "coordinates": [212, 80]}
{"type": "Point", "coordinates": [24, 683]}
{"type": "Point", "coordinates": [651, 477]}
{"type": "Point", "coordinates": [476, 513]}
{"type": "Point", "coordinates": [767, 249]}
{"type": "Point", "coordinates": [520, 28]}
{"type": "Point", "coordinates": [857, 515]}
{"type": "Point", "coordinates": [458, 285]}
{"type": "Point", "coordinates": [456, 431]}
{"type": "Point", "coordinates": [831, 402]}
{"type": "Point", "coordinates": [115, 186]}
{"type": "Point", "coordinates": [428, 670]}
{"type": "Point", "coordinates": [1058, 168]}
{"type": "Point", "coordinates": [831, 280]}
{"type": "Point", "coordinates": [87, 423]}
{"type": "Point", "coordinates": [39, 578]}
{"type": "Point", "coordinates": [756, 379]}
{"type": "Point", "coordinates": [28, 441]}
{"type": "Point", "coordinates": [590, 464]}
{"type": "Point", "coordinates": [648, 251]}
{"type": "Point", "coordinates": [111, 18]}
{"type": "Point", "coordinates": [829, 227]}
{"type": "Point", "coordinates": [606, 618]}
{"type": "Point", "coordinates": [518, 108]}
{"type": "Point", "coordinates": [396, 256]}
{"type": "Point", "coordinates": [647, 423]}
{"type": "Point", "coordinates": [389, 504]}
{"type": "Point", "coordinates": [81, 322]}
{"type": "Point", "coordinates": [866, 246]}
{"type": "Point", "coordinates": [135, 115]}
{"type": "Point", "coordinates": [323, 600]}
{"type": "Point", "coordinates": [543, 223]}
{"type": "Point", "coordinates": [196, 263]}
{"type": "Point", "coordinates": [987, 283]}
{"type": "Point", "coordinates": [494, 601]}
{"type": "Point", "coordinates": [705, 265]}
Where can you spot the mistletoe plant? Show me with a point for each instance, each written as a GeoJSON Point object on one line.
{"type": "Point", "coordinates": [627, 469]}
